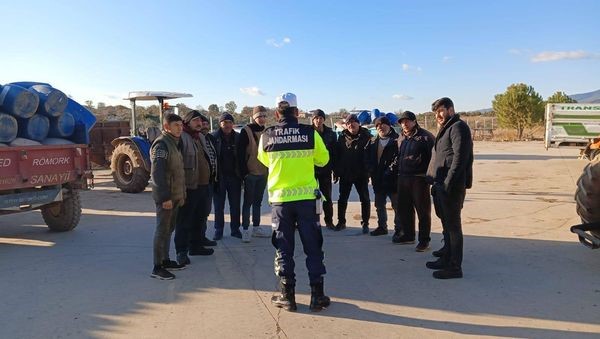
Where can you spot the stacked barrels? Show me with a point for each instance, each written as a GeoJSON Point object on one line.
{"type": "Point", "coordinates": [34, 113]}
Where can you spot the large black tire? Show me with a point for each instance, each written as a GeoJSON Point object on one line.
{"type": "Point", "coordinates": [587, 195]}
{"type": "Point", "coordinates": [63, 216]}
{"type": "Point", "coordinates": [128, 170]}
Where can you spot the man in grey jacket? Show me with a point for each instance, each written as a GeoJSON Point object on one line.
{"type": "Point", "coordinates": [451, 173]}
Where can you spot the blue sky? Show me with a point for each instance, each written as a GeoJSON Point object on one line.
{"type": "Point", "coordinates": [389, 55]}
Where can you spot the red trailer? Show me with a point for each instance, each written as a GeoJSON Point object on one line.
{"type": "Point", "coordinates": [48, 178]}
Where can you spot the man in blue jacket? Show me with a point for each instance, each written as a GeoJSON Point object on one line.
{"type": "Point", "coordinates": [451, 173]}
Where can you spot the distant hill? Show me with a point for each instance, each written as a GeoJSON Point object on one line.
{"type": "Point", "coordinates": [591, 97]}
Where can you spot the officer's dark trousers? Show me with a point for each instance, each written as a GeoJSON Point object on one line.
{"type": "Point", "coordinates": [230, 187]}
{"type": "Point", "coordinates": [413, 194]}
{"type": "Point", "coordinates": [254, 190]}
{"type": "Point", "coordinates": [286, 217]}
{"type": "Point", "coordinates": [165, 224]}
{"type": "Point", "coordinates": [448, 206]}
{"type": "Point", "coordinates": [362, 187]}
{"type": "Point", "coordinates": [191, 219]}
{"type": "Point", "coordinates": [325, 188]}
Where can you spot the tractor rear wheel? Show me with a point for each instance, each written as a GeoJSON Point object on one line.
{"type": "Point", "coordinates": [128, 170]}
{"type": "Point", "coordinates": [587, 195]}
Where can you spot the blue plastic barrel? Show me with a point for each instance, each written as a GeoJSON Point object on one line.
{"type": "Point", "coordinates": [56, 141]}
{"type": "Point", "coordinates": [18, 101]}
{"type": "Point", "coordinates": [392, 118]}
{"type": "Point", "coordinates": [34, 128]}
{"type": "Point", "coordinates": [52, 101]}
{"type": "Point", "coordinates": [8, 128]}
{"type": "Point", "coordinates": [62, 126]}
{"type": "Point", "coordinates": [375, 113]}
{"type": "Point", "coordinates": [81, 114]}
{"type": "Point", "coordinates": [364, 117]}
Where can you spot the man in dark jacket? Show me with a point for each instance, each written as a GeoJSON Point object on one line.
{"type": "Point", "coordinates": [351, 169]}
{"type": "Point", "coordinates": [451, 173]}
{"type": "Point", "coordinates": [324, 174]}
{"type": "Point", "coordinates": [254, 174]}
{"type": "Point", "coordinates": [229, 183]}
{"type": "Point", "coordinates": [380, 156]}
{"type": "Point", "coordinates": [414, 153]}
{"type": "Point", "coordinates": [192, 216]}
{"type": "Point", "coordinates": [168, 191]}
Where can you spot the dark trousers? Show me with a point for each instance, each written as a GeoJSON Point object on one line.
{"type": "Point", "coordinates": [413, 195]}
{"type": "Point", "coordinates": [165, 224]}
{"type": "Point", "coordinates": [380, 202]}
{"type": "Point", "coordinates": [230, 187]}
{"type": "Point", "coordinates": [192, 218]}
{"type": "Point", "coordinates": [286, 218]}
{"type": "Point", "coordinates": [324, 180]}
{"type": "Point", "coordinates": [447, 207]}
{"type": "Point", "coordinates": [254, 190]}
{"type": "Point", "coordinates": [362, 187]}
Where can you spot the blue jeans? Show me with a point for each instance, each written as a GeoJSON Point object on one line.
{"type": "Point", "coordinates": [254, 190]}
{"type": "Point", "coordinates": [230, 187]}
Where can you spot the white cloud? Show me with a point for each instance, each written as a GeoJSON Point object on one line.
{"type": "Point", "coordinates": [563, 55]}
{"type": "Point", "coordinates": [402, 97]}
{"type": "Point", "coordinates": [252, 91]}
{"type": "Point", "coordinates": [279, 44]}
{"type": "Point", "coordinates": [446, 59]}
{"type": "Point", "coordinates": [407, 68]}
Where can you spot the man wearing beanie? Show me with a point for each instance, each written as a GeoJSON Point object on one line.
{"type": "Point", "coordinates": [414, 153]}
{"type": "Point", "coordinates": [324, 174]}
{"type": "Point", "coordinates": [229, 183]}
{"type": "Point", "coordinates": [254, 174]}
{"type": "Point", "coordinates": [193, 215]}
{"type": "Point", "coordinates": [381, 153]}
{"type": "Point", "coordinates": [351, 169]}
{"type": "Point", "coordinates": [291, 150]}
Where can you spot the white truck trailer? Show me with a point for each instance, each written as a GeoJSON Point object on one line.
{"type": "Point", "coordinates": [575, 124]}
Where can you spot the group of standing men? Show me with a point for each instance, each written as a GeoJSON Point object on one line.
{"type": "Point", "coordinates": [408, 168]}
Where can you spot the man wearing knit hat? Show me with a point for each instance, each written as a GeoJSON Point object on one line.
{"type": "Point", "coordinates": [324, 174]}
{"type": "Point", "coordinates": [254, 174]}
{"type": "Point", "coordinates": [229, 182]}
{"type": "Point", "coordinates": [381, 153]}
{"type": "Point", "coordinates": [193, 215]}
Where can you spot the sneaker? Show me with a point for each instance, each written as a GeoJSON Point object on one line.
{"type": "Point", "coordinates": [160, 273]}
{"type": "Point", "coordinates": [261, 232]}
{"type": "Point", "coordinates": [396, 236]}
{"type": "Point", "coordinates": [422, 246]}
{"type": "Point", "coordinates": [218, 234]}
{"type": "Point", "coordinates": [236, 234]}
{"type": "Point", "coordinates": [329, 225]}
{"type": "Point", "coordinates": [172, 265]}
{"type": "Point", "coordinates": [448, 274]}
{"type": "Point", "coordinates": [379, 231]}
{"type": "Point", "coordinates": [403, 240]}
{"type": "Point", "coordinates": [207, 242]}
{"type": "Point", "coordinates": [201, 250]}
{"type": "Point", "coordinates": [365, 229]}
{"type": "Point", "coordinates": [183, 259]}
{"type": "Point", "coordinates": [340, 226]}
{"type": "Point", "coordinates": [245, 235]}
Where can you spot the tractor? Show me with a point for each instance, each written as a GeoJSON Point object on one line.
{"type": "Point", "coordinates": [130, 160]}
{"type": "Point", "coordinates": [587, 198]}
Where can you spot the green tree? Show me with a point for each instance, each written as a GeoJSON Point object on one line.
{"type": "Point", "coordinates": [560, 98]}
{"type": "Point", "coordinates": [231, 107]}
{"type": "Point", "coordinates": [89, 104]}
{"type": "Point", "coordinates": [213, 110]}
{"type": "Point", "coordinates": [247, 111]}
{"type": "Point", "coordinates": [519, 107]}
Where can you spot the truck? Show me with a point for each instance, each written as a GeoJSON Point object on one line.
{"type": "Point", "coordinates": [130, 159]}
{"type": "Point", "coordinates": [572, 124]}
{"type": "Point", "coordinates": [48, 177]}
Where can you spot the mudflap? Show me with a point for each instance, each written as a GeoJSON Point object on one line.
{"type": "Point", "coordinates": [588, 239]}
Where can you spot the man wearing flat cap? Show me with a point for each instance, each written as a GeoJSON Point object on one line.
{"type": "Point", "coordinates": [229, 182]}
{"type": "Point", "coordinates": [414, 153]}
{"type": "Point", "coordinates": [254, 174]}
{"type": "Point", "coordinates": [324, 174]}
{"type": "Point", "coordinates": [351, 169]}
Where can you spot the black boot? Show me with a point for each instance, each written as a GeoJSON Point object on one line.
{"type": "Point", "coordinates": [287, 298]}
{"type": "Point", "coordinates": [318, 299]}
{"type": "Point", "coordinates": [365, 215]}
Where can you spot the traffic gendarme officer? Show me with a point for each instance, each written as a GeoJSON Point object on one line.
{"type": "Point", "coordinates": [291, 150]}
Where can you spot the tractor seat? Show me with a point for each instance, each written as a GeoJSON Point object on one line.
{"type": "Point", "coordinates": [152, 133]}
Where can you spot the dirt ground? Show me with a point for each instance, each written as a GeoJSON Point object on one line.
{"type": "Point", "coordinates": [525, 274]}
